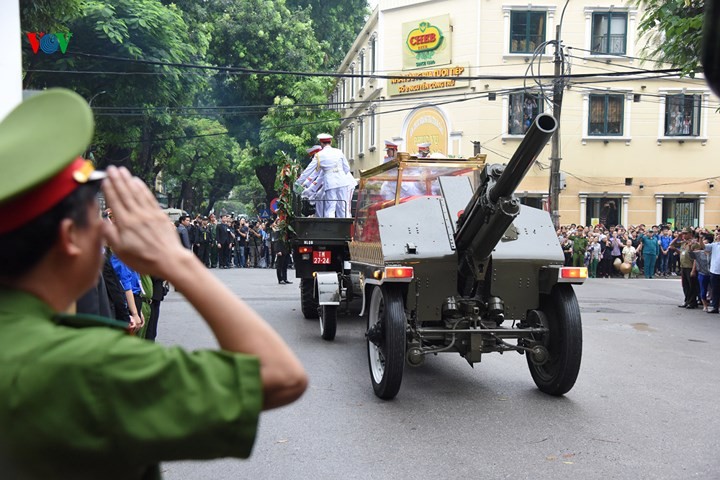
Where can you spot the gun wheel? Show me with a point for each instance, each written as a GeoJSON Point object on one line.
{"type": "Point", "coordinates": [386, 340]}
{"type": "Point", "coordinates": [328, 321]}
{"type": "Point", "coordinates": [308, 304]}
{"type": "Point", "coordinates": [563, 342]}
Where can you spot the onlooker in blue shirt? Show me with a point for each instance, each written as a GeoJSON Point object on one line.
{"type": "Point", "coordinates": [665, 239]}
{"type": "Point", "coordinates": [714, 249]}
{"type": "Point", "coordinates": [130, 281]}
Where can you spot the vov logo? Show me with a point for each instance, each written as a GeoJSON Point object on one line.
{"type": "Point", "coordinates": [49, 43]}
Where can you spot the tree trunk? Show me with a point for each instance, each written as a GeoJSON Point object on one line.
{"type": "Point", "coordinates": [185, 192]}
{"type": "Point", "coordinates": [267, 174]}
{"type": "Point", "coordinates": [143, 162]}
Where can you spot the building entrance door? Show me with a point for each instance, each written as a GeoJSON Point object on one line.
{"type": "Point", "coordinates": [605, 210]}
{"type": "Point", "coordinates": [681, 212]}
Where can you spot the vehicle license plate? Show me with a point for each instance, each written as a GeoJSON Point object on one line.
{"type": "Point", "coordinates": [321, 257]}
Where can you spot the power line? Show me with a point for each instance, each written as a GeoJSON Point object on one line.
{"type": "Point", "coordinates": [245, 70]}
{"type": "Point", "coordinates": [618, 55]}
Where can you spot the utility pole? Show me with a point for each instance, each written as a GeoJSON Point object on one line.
{"type": "Point", "coordinates": [558, 87]}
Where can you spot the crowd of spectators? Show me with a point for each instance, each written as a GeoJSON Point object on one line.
{"type": "Point", "coordinates": [657, 251]}
{"type": "Point", "coordinates": [231, 242]}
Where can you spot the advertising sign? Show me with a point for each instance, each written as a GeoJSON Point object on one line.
{"type": "Point", "coordinates": [423, 81]}
{"type": "Point", "coordinates": [426, 42]}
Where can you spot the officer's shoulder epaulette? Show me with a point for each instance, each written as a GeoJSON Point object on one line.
{"type": "Point", "coordinates": [82, 320]}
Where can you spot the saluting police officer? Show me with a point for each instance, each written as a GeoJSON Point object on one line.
{"type": "Point", "coordinates": [81, 398]}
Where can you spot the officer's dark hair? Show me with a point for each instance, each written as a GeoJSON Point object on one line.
{"type": "Point", "coordinates": [23, 248]}
{"type": "Point", "coordinates": [182, 218]}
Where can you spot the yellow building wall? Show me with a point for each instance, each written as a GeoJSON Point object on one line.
{"type": "Point", "coordinates": [666, 168]}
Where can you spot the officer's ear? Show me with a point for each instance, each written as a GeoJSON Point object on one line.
{"type": "Point", "coordinates": [69, 238]}
{"type": "Point", "coordinates": [73, 233]}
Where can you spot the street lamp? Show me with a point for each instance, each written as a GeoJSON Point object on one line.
{"type": "Point", "coordinates": [88, 152]}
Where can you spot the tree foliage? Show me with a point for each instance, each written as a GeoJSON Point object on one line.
{"type": "Point", "coordinates": [291, 126]}
{"type": "Point", "coordinates": [148, 116]}
{"type": "Point", "coordinates": [336, 23]}
{"type": "Point", "coordinates": [673, 29]}
{"type": "Point", "coordinates": [260, 35]}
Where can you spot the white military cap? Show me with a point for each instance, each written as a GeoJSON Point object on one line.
{"type": "Point", "coordinates": [389, 144]}
{"type": "Point", "coordinates": [423, 146]}
{"type": "Point", "coordinates": [313, 149]}
{"type": "Point", "coordinates": [324, 137]}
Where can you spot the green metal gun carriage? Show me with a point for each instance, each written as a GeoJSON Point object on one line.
{"type": "Point", "coordinates": [447, 260]}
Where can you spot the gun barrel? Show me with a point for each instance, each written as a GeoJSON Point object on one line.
{"type": "Point", "coordinates": [535, 139]}
{"type": "Point", "coordinates": [492, 208]}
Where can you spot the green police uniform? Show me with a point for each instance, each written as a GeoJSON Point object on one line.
{"type": "Point", "coordinates": [580, 244]}
{"type": "Point", "coordinates": [81, 398]}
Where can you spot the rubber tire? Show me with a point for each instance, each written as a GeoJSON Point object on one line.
{"type": "Point", "coordinates": [308, 304]}
{"type": "Point", "coordinates": [564, 343]}
{"type": "Point", "coordinates": [328, 321]}
{"type": "Point", "coordinates": [386, 363]}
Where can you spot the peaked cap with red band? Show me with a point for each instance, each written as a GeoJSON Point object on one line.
{"type": "Point", "coordinates": [41, 142]}
{"type": "Point", "coordinates": [314, 149]}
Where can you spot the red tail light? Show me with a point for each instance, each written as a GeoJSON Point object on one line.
{"type": "Point", "coordinates": [304, 249]}
{"type": "Point", "coordinates": [574, 272]}
{"type": "Point", "coordinates": [399, 272]}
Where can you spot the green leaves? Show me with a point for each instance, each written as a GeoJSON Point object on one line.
{"type": "Point", "coordinates": [145, 114]}
{"type": "Point", "coordinates": [673, 31]}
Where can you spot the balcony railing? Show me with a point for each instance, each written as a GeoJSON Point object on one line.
{"type": "Point", "coordinates": [608, 44]}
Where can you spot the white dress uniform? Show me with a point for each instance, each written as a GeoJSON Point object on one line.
{"type": "Point", "coordinates": [309, 181]}
{"type": "Point", "coordinates": [350, 192]}
{"type": "Point", "coordinates": [308, 172]}
{"type": "Point", "coordinates": [336, 180]}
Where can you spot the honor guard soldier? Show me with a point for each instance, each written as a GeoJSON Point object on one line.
{"type": "Point", "coordinates": [81, 398]}
{"type": "Point", "coordinates": [311, 170]}
{"type": "Point", "coordinates": [309, 180]}
{"type": "Point", "coordinates": [335, 179]}
{"type": "Point", "coordinates": [391, 149]}
{"type": "Point", "coordinates": [423, 150]}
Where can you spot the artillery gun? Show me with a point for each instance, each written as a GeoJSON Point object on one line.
{"type": "Point", "coordinates": [448, 260]}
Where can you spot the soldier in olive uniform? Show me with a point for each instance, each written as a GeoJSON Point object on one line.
{"type": "Point", "coordinates": [214, 250]}
{"type": "Point", "coordinates": [203, 238]}
{"type": "Point", "coordinates": [81, 398]}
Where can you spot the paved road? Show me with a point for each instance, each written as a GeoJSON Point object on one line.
{"type": "Point", "coordinates": [644, 407]}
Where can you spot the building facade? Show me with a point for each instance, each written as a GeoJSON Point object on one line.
{"type": "Point", "coordinates": [637, 141]}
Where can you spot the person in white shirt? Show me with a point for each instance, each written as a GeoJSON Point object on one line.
{"type": "Point", "coordinates": [336, 179]}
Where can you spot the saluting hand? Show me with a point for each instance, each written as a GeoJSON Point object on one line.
{"type": "Point", "coordinates": [142, 235]}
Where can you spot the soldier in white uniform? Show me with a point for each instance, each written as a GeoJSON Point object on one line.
{"type": "Point", "coordinates": [335, 178]}
{"type": "Point", "coordinates": [311, 169]}
{"type": "Point", "coordinates": [391, 149]}
{"type": "Point", "coordinates": [407, 189]}
{"type": "Point", "coordinates": [310, 182]}
{"type": "Point", "coordinates": [423, 150]}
